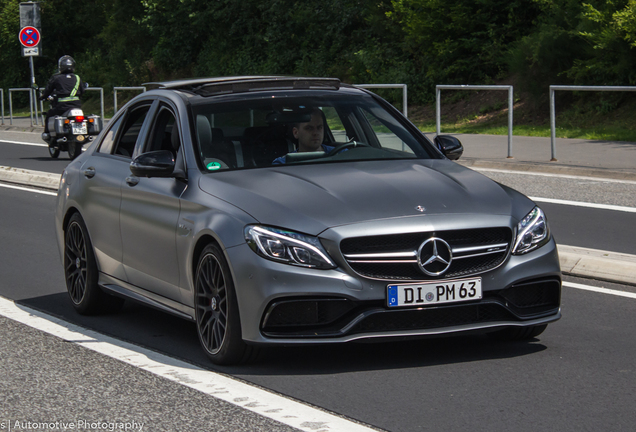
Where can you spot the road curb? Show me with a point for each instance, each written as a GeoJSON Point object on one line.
{"type": "Point", "coordinates": [575, 261]}
{"type": "Point", "coordinates": [39, 179]}
{"type": "Point", "coordinates": [598, 264]}
{"type": "Point", "coordinates": [38, 129]}
{"type": "Point", "coordinates": [549, 168]}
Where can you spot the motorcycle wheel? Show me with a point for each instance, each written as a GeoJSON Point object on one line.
{"type": "Point", "coordinates": [54, 152]}
{"type": "Point", "coordinates": [74, 149]}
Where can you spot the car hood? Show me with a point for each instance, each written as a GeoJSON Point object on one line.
{"type": "Point", "coordinates": [314, 197]}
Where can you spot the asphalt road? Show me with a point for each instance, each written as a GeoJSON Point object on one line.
{"type": "Point", "coordinates": [578, 376]}
{"type": "Point", "coordinates": [32, 157]}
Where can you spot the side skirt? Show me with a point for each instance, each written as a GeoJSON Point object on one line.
{"type": "Point", "coordinates": [132, 292]}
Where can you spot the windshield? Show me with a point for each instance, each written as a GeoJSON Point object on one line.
{"type": "Point", "coordinates": [274, 131]}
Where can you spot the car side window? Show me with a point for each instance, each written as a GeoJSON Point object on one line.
{"type": "Point", "coordinates": [130, 132]}
{"type": "Point", "coordinates": [107, 143]}
{"type": "Point", "coordinates": [334, 124]}
{"type": "Point", "coordinates": [385, 135]}
{"type": "Point", "coordinates": [164, 134]}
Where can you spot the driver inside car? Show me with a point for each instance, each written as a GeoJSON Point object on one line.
{"type": "Point", "coordinates": [310, 136]}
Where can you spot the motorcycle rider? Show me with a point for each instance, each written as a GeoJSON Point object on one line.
{"type": "Point", "coordinates": [66, 87]}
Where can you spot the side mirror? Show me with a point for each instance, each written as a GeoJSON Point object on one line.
{"type": "Point", "coordinates": [159, 163]}
{"type": "Point", "coordinates": [450, 146]}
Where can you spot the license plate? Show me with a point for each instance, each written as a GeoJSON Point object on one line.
{"type": "Point", "coordinates": [422, 294]}
{"type": "Point", "coordinates": [79, 128]}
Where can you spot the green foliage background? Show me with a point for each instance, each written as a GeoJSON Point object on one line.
{"type": "Point", "coordinates": [417, 42]}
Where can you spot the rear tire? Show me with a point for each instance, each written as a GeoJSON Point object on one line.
{"type": "Point", "coordinates": [216, 310]}
{"type": "Point", "coordinates": [80, 271]}
{"type": "Point", "coordinates": [518, 333]}
{"type": "Point", "coordinates": [74, 149]}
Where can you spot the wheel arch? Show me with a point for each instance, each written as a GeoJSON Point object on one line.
{"type": "Point", "coordinates": [67, 217]}
{"type": "Point", "coordinates": [201, 243]}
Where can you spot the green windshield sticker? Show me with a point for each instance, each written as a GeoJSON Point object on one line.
{"type": "Point", "coordinates": [213, 166]}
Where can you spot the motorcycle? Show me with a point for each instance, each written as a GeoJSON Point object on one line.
{"type": "Point", "coordinates": [70, 131]}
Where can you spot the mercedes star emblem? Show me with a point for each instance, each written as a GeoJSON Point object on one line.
{"type": "Point", "coordinates": [434, 256]}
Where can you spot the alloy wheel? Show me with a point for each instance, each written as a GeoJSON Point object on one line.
{"type": "Point", "coordinates": [75, 263]}
{"type": "Point", "coordinates": [211, 298]}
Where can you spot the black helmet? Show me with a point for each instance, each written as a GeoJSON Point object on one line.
{"type": "Point", "coordinates": [66, 64]}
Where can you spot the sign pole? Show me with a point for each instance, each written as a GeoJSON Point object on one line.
{"type": "Point", "coordinates": [35, 94]}
{"type": "Point", "coordinates": [29, 36]}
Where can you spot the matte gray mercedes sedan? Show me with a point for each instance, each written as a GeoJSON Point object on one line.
{"type": "Point", "coordinates": [281, 210]}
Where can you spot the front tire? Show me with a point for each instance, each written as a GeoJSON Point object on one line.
{"type": "Point", "coordinates": [216, 309]}
{"type": "Point", "coordinates": [54, 152]}
{"type": "Point", "coordinates": [80, 271]}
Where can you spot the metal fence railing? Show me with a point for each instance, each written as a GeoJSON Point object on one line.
{"type": "Point", "coordinates": [405, 110]}
{"type": "Point", "coordinates": [101, 100]}
{"type": "Point", "coordinates": [477, 87]}
{"type": "Point", "coordinates": [31, 103]}
{"type": "Point", "coordinates": [115, 89]}
{"type": "Point", "coordinates": [2, 103]}
{"type": "Point", "coordinates": [554, 88]}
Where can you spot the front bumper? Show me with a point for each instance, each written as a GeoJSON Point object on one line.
{"type": "Point", "coordinates": [283, 304]}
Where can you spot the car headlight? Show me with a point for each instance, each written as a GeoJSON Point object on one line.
{"type": "Point", "coordinates": [287, 247]}
{"type": "Point", "coordinates": [532, 232]}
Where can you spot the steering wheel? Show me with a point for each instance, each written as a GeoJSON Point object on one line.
{"type": "Point", "coordinates": [351, 144]}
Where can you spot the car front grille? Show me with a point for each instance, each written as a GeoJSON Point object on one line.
{"type": "Point", "coordinates": [395, 257]}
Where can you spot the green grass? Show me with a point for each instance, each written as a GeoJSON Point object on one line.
{"type": "Point", "coordinates": [597, 132]}
{"type": "Point", "coordinates": [20, 112]}
{"type": "Point", "coordinates": [579, 121]}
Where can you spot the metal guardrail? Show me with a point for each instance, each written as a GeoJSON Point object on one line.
{"type": "Point", "coordinates": [101, 99]}
{"type": "Point", "coordinates": [405, 110]}
{"type": "Point", "coordinates": [39, 94]}
{"type": "Point", "coordinates": [554, 88]}
{"type": "Point", "coordinates": [11, 90]}
{"type": "Point", "coordinates": [34, 97]}
{"type": "Point", "coordinates": [143, 89]}
{"type": "Point", "coordinates": [438, 88]}
{"type": "Point", "coordinates": [477, 87]}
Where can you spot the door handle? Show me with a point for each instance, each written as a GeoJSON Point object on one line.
{"type": "Point", "coordinates": [132, 181]}
{"type": "Point", "coordinates": [89, 172]}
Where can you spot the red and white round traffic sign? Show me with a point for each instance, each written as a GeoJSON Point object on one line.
{"type": "Point", "coordinates": [29, 37]}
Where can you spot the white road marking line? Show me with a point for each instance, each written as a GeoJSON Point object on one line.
{"type": "Point", "coordinates": [23, 143]}
{"type": "Point", "coordinates": [8, 186]}
{"type": "Point", "coordinates": [600, 290]}
{"type": "Point", "coordinates": [257, 400]}
{"type": "Point", "coordinates": [585, 204]}
{"type": "Point", "coordinates": [564, 176]}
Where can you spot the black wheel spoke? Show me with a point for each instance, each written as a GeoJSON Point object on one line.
{"type": "Point", "coordinates": [218, 334]}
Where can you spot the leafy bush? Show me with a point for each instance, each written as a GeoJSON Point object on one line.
{"type": "Point", "coordinates": [418, 42]}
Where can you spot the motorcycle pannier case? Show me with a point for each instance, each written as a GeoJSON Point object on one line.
{"type": "Point", "coordinates": [94, 126]}
{"type": "Point", "coordinates": [56, 126]}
